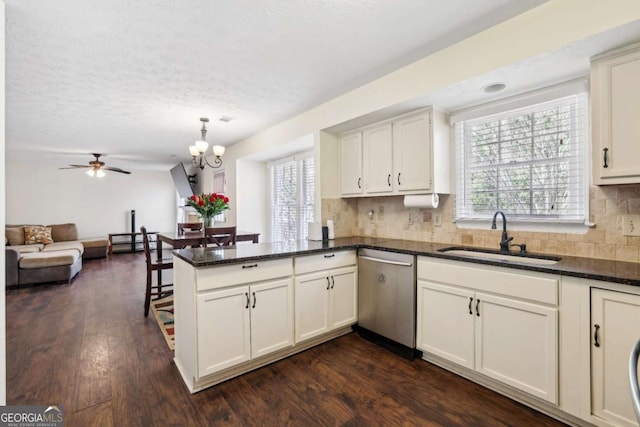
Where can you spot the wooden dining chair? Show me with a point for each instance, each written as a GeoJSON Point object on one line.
{"type": "Point", "coordinates": [220, 236]}
{"type": "Point", "coordinates": [193, 226]}
{"type": "Point", "coordinates": [160, 290]}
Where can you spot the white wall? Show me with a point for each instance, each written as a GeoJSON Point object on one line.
{"type": "Point", "coordinates": [535, 32]}
{"type": "Point", "coordinates": [43, 194]}
{"type": "Point", "coordinates": [3, 344]}
{"type": "Point", "coordinates": [252, 209]}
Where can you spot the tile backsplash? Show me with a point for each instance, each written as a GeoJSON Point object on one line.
{"type": "Point", "coordinates": [390, 219]}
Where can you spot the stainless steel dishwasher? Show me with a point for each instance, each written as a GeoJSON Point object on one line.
{"type": "Point", "coordinates": [387, 300]}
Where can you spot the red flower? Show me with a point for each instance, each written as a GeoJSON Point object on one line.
{"type": "Point", "coordinates": [194, 197]}
{"type": "Point", "coordinates": [212, 199]}
{"type": "Point", "coordinates": [200, 202]}
{"type": "Point", "coordinates": [226, 199]}
{"type": "Point", "coordinates": [221, 196]}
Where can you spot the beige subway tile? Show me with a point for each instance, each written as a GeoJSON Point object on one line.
{"type": "Point", "coordinates": [615, 237]}
{"type": "Point", "coordinates": [627, 253]}
{"type": "Point", "coordinates": [628, 191]}
{"type": "Point", "coordinates": [584, 249]}
{"type": "Point", "coordinates": [605, 251]}
{"type": "Point", "coordinates": [613, 207]}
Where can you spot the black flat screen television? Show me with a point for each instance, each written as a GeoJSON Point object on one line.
{"type": "Point", "coordinates": [181, 180]}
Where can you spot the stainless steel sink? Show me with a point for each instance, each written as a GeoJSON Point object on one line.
{"type": "Point", "coordinates": [515, 257]}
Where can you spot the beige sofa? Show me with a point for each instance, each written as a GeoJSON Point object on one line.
{"type": "Point", "coordinates": [52, 253]}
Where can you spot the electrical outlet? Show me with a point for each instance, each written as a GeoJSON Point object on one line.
{"type": "Point", "coordinates": [437, 219]}
{"type": "Point", "coordinates": [410, 218]}
{"type": "Point", "coordinates": [631, 225]}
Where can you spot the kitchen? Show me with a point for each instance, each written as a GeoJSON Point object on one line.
{"type": "Point", "coordinates": [422, 232]}
{"type": "Point", "coordinates": [568, 287]}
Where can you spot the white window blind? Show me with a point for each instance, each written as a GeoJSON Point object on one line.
{"type": "Point", "coordinates": [529, 162]}
{"type": "Point", "coordinates": [292, 197]}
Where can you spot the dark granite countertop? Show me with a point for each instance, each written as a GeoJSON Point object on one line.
{"type": "Point", "coordinates": [587, 268]}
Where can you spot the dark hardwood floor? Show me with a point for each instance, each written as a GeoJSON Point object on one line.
{"type": "Point", "coordinates": [87, 347]}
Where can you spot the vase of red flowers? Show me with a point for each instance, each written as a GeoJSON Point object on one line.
{"type": "Point", "coordinates": [208, 206]}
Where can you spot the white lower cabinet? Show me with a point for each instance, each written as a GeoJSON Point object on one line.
{"type": "Point", "coordinates": [487, 319]}
{"type": "Point", "coordinates": [615, 327]}
{"type": "Point", "coordinates": [242, 323]}
{"type": "Point", "coordinates": [325, 299]}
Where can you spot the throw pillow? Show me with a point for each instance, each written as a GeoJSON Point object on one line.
{"type": "Point", "coordinates": [37, 234]}
{"type": "Point", "coordinates": [15, 235]}
{"type": "Point", "coordinates": [64, 232]}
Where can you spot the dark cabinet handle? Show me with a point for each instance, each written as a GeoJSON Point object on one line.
{"type": "Point", "coordinates": [596, 335]}
{"type": "Point", "coordinates": [333, 282]}
{"type": "Point", "coordinates": [398, 178]}
{"type": "Point", "coordinates": [477, 307]}
{"type": "Point", "coordinates": [470, 302]}
{"type": "Point", "coordinates": [328, 283]}
{"type": "Point", "coordinates": [250, 266]}
{"type": "Point", "coordinates": [246, 294]}
{"type": "Point", "coordinates": [605, 160]}
{"type": "Point", "coordinates": [359, 186]}
{"type": "Point", "coordinates": [254, 300]}
{"type": "Point", "coordinates": [330, 256]}
{"type": "Point", "coordinates": [389, 180]}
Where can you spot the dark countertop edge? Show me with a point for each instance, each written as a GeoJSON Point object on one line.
{"type": "Point", "coordinates": [621, 272]}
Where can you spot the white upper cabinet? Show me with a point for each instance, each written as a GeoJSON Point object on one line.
{"type": "Point", "coordinates": [408, 154]}
{"type": "Point", "coordinates": [412, 153]}
{"type": "Point", "coordinates": [377, 159]}
{"type": "Point", "coordinates": [351, 183]}
{"type": "Point", "coordinates": [615, 108]}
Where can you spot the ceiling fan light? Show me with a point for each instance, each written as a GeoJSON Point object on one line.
{"type": "Point", "coordinates": [218, 150]}
{"type": "Point", "coordinates": [193, 150]}
{"type": "Point", "coordinates": [91, 172]}
{"type": "Point", "coordinates": [100, 173]}
{"type": "Point", "coordinates": [202, 146]}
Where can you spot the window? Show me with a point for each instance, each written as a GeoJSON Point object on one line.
{"type": "Point", "coordinates": [528, 162]}
{"type": "Point", "coordinates": [292, 197]}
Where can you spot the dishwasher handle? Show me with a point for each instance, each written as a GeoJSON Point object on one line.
{"type": "Point", "coordinates": [386, 261]}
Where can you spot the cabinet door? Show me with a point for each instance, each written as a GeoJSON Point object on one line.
{"type": "Point", "coordinates": [412, 154]}
{"type": "Point", "coordinates": [343, 296]}
{"type": "Point", "coordinates": [378, 159]}
{"type": "Point", "coordinates": [312, 305]}
{"type": "Point", "coordinates": [617, 316]}
{"type": "Point", "coordinates": [445, 322]}
{"type": "Point", "coordinates": [616, 124]}
{"type": "Point", "coordinates": [224, 332]}
{"type": "Point", "coordinates": [516, 343]}
{"type": "Point", "coordinates": [271, 316]}
{"type": "Point", "coordinates": [351, 164]}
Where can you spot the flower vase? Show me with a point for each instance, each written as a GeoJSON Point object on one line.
{"type": "Point", "coordinates": [207, 221]}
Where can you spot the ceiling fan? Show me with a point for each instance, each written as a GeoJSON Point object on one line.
{"type": "Point", "coordinates": [96, 167]}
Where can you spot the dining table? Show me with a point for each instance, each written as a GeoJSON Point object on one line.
{"type": "Point", "coordinates": [195, 238]}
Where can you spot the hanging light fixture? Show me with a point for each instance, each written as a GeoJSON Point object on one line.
{"type": "Point", "coordinates": [198, 150]}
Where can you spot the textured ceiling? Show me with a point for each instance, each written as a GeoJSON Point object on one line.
{"type": "Point", "coordinates": [132, 78]}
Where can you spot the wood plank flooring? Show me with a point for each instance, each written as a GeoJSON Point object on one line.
{"type": "Point", "coordinates": [88, 347]}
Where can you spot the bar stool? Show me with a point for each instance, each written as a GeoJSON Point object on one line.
{"type": "Point", "coordinates": [157, 265]}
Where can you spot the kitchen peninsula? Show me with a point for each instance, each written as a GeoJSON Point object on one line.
{"type": "Point", "coordinates": [241, 308]}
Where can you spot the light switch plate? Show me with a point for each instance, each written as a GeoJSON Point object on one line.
{"type": "Point", "coordinates": [437, 219]}
{"type": "Point", "coordinates": [631, 225]}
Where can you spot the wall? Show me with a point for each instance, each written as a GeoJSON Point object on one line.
{"type": "Point", "coordinates": [3, 357]}
{"type": "Point", "coordinates": [391, 220]}
{"type": "Point", "coordinates": [43, 194]}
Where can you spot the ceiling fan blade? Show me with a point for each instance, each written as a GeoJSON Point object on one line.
{"type": "Point", "coordinates": [76, 167]}
{"type": "Point", "coordinates": [116, 170]}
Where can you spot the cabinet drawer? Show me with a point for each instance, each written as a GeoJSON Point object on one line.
{"type": "Point", "coordinates": [324, 261]}
{"type": "Point", "coordinates": [242, 273]}
{"type": "Point", "coordinates": [537, 287]}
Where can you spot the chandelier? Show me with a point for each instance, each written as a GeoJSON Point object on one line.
{"type": "Point", "coordinates": [198, 150]}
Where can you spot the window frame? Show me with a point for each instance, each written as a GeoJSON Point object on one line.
{"type": "Point", "coordinates": [530, 101]}
{"type": "Point", "coordinates": [299, 158]}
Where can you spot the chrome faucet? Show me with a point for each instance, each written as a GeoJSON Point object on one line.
{"type": "Point", "coordinates": [504, 241]}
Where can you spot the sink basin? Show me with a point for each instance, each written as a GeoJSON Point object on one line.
{"type": "Point", "coordinates": [487, 254]}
